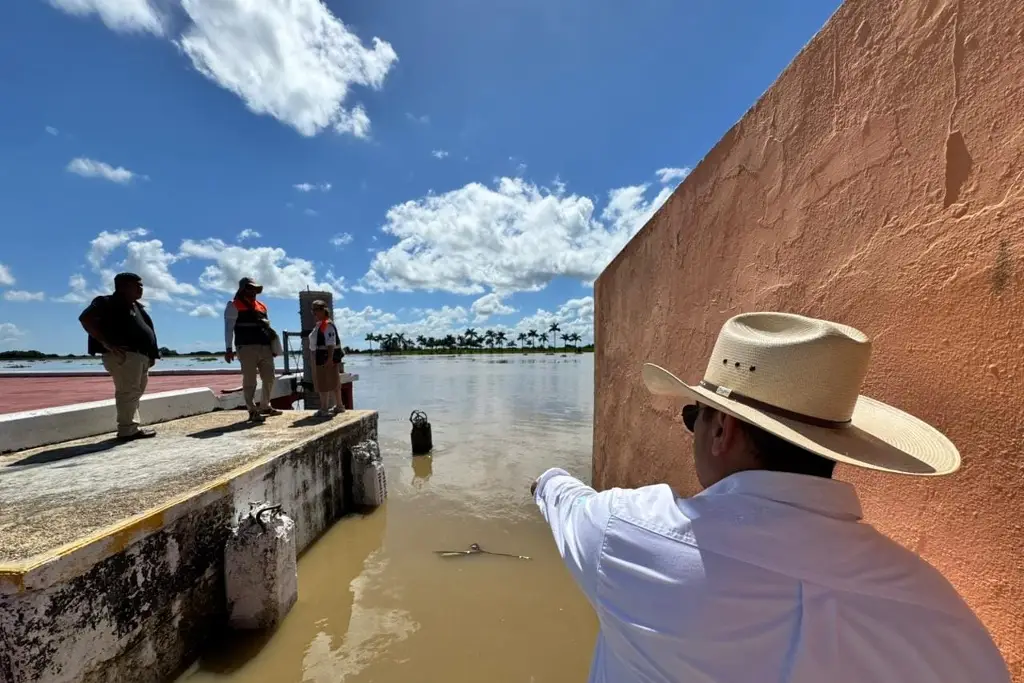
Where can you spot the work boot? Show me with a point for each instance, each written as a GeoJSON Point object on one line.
{"type": "Point", "coordinates": [256, 418]}
{"type": "Point", "coordinates": [138, 434]}
{"type": "Point", "coordinates": [270, 412]}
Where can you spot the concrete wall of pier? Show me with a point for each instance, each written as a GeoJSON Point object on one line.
{"type": "Point", "coordinates": [137, 603]}
{"type": "Point", "coordinates": [879, 182]}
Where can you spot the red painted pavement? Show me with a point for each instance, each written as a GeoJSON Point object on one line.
{"type": "Point", "coordinates": [31, 393]}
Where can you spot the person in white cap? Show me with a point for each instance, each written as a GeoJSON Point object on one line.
{"type": "Point", "coordinates": [769, 573]}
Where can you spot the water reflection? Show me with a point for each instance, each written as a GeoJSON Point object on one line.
{"type": "Point", "coordinates": [376, 603]}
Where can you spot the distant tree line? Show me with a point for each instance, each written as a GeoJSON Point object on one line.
{"type": "Point", "coordinates": [32, 354]}
{"type": "Point", "coordinates": [471, 340]}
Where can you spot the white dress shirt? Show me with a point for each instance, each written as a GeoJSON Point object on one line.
{"type": "Point", "coordinates": [764, 577]}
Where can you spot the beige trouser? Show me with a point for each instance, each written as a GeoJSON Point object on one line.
{"type": "Point", "coordinates": [130, 376]}
{"type": "Point", "coordinates": [257, 360]}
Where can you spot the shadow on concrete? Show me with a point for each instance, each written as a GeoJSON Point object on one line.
{"type": "Point", "coordinates": [310, 421]}
{"type": "Point", "coordinates": [65, 452]}
{"type": "Point", "coordinates": [213, 432]}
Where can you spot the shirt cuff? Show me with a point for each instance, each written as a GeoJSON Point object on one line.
{"type": "Point", "coordinates": [545, 478]}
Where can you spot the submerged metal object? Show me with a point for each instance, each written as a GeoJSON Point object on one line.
{"type": "Point", "coordinates": [421, 437]}
{"type": "Point", "coordinates": [475, 549]}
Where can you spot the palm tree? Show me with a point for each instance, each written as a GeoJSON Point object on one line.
{"type": "Point", "coordinates": [421, 341]}
{"type": "Point", "coordinates": [522, 339]}
{"type": "Point", "coordinates": [574, 337]}
{"type": "Point", "coordinates": [500, 338]}
{"type": "Point", "coordinates": [511, 343]}
{"type": "Point", "coordinates": [371, 337]}
{"type": "Point", "coordinates": [489, 339]}
{"type": "Point", "coordinates": [532, 334]}
{"type": "Point", "coordinates": [544, 339]}
{"type": "Point", "coordinates": [554, 329]}
{"type": "Point", "coordinates": [565, 341]}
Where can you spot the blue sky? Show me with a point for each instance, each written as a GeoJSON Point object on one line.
{"type": "Point", "coordinates": [438, 165]}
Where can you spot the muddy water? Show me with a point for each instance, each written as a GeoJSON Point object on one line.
{"type": "Point", "coordinates": [376, 604]}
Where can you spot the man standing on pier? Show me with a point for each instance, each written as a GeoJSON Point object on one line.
{"type": "Point", "coordinates": [121, 330]}
{"type": "Point", "coordinates": [769, 573]}
{"type": "Point", "coordinates": [247, 325]}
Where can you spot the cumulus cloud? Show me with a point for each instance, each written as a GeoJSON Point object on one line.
{"type": "Point", "coordinates": [309, 187]}
{"type": "Point", "coordinates": [18, 295]}
{"type": "Point", "coordinates": [439, 154]}
{"type": "Point", "coordinates": [669, 175]}
{"type": "Point", "coordinates": [6, 278]}
{"type": "Point", "coordinates": [281, 275]}
{"type": "Point", "coordinates": [78, 291]}
{"type": "Point", "coordinates": [90, 168]}
{"type": "Point", "coordinates": [123, 16]}
{"type": "Point", "coordinates": [10, 333]}
{"type": "Point", "coordinates": [203, 311]}
{"type": "Point", "coordinates": [488, 305]}
{"type": "Point", "coordinates": [289, 59]}
{"type": "Point", "coordinates": [341, 239]}
{"type": "Point", "coordinates": [247, 234]}
{"type": "Point", "coordinates": [513, 236]}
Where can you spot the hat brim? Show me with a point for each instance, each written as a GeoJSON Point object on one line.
{"type": "Point", "coordinates": [879, 436]}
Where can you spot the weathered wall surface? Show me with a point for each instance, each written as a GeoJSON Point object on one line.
{"type": "Point", "coordinates": [879, 182]}
{"type": "Point", "coordinates": [139, 615]}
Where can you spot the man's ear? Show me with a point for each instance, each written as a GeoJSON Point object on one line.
{"type": "Point", "coordinates": [726, 430]}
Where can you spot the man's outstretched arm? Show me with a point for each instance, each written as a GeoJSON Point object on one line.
{"type": "Point", "coordinates": [578, 516]}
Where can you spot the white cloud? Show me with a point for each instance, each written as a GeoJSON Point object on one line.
{"type": "Point", "coordinates": [422, 120]}
{"type": "Point", "coordinates": [203, 311]}
{"type": "Point", "coordinates": [281, 275]}
{"type": "Point", "coordinates": [106, 242]}
{"type": "Point", "coordinates": [514, 236]}
{"type": "Point", "coordinates": [22, 296]}
{"type": "Point", "coordinates": [51, 130]}
{"type": "Point", "coordinates": [310, 212]}
{"type": "Point", "coordinates": [668, 175]}
{"type": "Point", "coordinates": [125, 16]}
{"type": "Point", "coordinates": [6, 278]}
{"type": "Point", "coordinates": [90, 168]}
{"type": "Point", "coordinates": [309, 187]}
{"type": "Point", "coordinates": [10, 333]}
{"type": "Point", "coordinates": [488, 305]}
{"type": "Point", "coordinates": [341, 239]}
{"type": "Point", "coordinates": [575, 315]}
{"type": "Point", "coordinates": [291, 59]}
{"type": "Point", "coordinates": [78, 291]}
{"type": "Point", "coordinates": [439, 154]}
{"type": "Point", "coordinates": [247, 234]}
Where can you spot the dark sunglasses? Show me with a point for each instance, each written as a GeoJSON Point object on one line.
{"type": "Point", "coordinates": [690, 414]}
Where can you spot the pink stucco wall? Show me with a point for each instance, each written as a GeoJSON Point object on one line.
{"type": "Point", "coordinates": [880, 183]}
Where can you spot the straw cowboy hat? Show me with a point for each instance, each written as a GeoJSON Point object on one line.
{"type": "Point", "coordinates": [800, 378]}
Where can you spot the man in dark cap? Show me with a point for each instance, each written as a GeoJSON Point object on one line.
{"type": "Point", "coordinates": [247, 326]}
{"type": "Point", "coordinates": [121, 330]}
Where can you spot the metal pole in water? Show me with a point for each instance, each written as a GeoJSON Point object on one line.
{"type": "Point", "coordinates": [422, 439]}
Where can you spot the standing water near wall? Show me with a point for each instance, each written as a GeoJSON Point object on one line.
{"type": "Point", "coordinates": [376, 603]}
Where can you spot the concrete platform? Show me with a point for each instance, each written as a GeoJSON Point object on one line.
{"type": "Point", "coordinates": [111, 554]}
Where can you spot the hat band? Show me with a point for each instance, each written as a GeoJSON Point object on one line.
{"type": "Point", "coordinates": [769, 408]}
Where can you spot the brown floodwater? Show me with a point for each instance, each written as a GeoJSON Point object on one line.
{"type": "Point", "coordinates": [377, 604]}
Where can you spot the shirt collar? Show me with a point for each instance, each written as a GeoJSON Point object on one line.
{"type": "Point", "coordinates": [827, 497]}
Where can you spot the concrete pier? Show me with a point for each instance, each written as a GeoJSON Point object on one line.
{"type": "Point", "coordinates": [112, 554]}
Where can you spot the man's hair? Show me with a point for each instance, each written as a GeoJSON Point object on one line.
{"type": "Point", "coordinates": [319, 304]}
{"type": "Point", "coordinates": [778, 455]}
{"type": "Point", "coordinates": [122, 279]}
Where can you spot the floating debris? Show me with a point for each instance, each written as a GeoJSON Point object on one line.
{"type": "Point", "coordinates": [475, 549]}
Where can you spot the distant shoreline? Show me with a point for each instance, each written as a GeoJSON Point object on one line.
{"type": "Point", "coordinates": [31, 356]}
